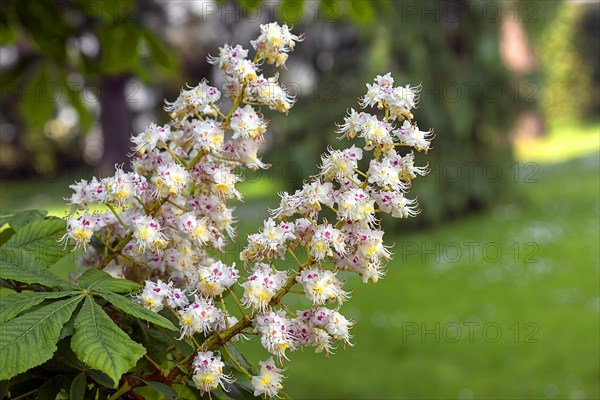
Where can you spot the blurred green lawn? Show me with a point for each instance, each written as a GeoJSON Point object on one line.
{"type": "Point", "coordinates": [500, 305]}
{"type": "Point", "coordinates": [564, 141]}
{"type": "Point", "coordinates": [503, 305]}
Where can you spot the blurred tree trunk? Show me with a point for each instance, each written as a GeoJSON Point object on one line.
{"type": "Point", "coordinates": [116, 119]}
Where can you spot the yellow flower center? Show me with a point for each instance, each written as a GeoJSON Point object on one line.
{"type": "Point", "coordinates": [144, 233]}
{"type": "Point", "coordinates": [265, 380]}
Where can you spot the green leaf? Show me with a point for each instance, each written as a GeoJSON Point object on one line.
{"type": "Point", "coordinates": [285, 396]}
{"type": "Point", "coordinates": [242, 382]}
{"type": "Point", "coordinates": [119, 43]}
{"type": "Point", "coordinates": [110, 10]}
{"type": "Point", "coordinates": [128, 306]}
{"type": "Point", "coordinates": [39, 239]}
{"type": "Point", "coordinates": [45, 23]}
{"type": "Point", "coordinates": [30, 339]}
{"type": "Point", "coordinates": [11, 306]}
{"type": "Point", "coordinates": [49, 389]}
{"type": "Point", "coordinates": [361, 11]}
{"type": "Point", "coordinates": [100, 343]}
{"type": "Point", "coordinates": [250, 5]}
{"type": "Point", "coordinates": [240, 358]}
{"type": "Point", "coordinates": [65, 355]}
{"type": "Point", "coordinates": [101, 378]}
{"type": "Point", "coordinates": [36, 105]}
{"type": "Point", "coordinates": [25, 269]}
{"type": "Point", "coordinates": [236, 392]}
{"type": "Point", "coordinates": [35, 246]}
{"type": "Point", "coordinates": [93, 279]}
{"type": "Point", "coordinates": [21, 218]}
{"type": "Point", "coordinates": [161, 388]}
{"type": "Point", "coordinates": [160, 53]}
{"type": "Point", "coordinates": [6, 234]}
{"type": "Point", "coordinates": [78, 387]}
{"type": "Point", "coordinates": [159, 341]}
{"type": "Point", "coordinates": [156, 350]}
{"type": "Point", "coordinates": [69, 327]}
{"type": "Point", "coordinates": [5, 217]}
{"type": "Point", "coordinates": [330, 10]}
{"type": "Point", "coordinates": [242, 388]}
{"type": "Point", "coordinates": [25, 383]}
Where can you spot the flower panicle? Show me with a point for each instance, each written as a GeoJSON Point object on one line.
{"type": "Point", "coordinates": [170, 217]}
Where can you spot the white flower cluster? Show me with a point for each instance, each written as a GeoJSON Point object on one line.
{"type": "Point", "coordinates": [208, 372]}
{"type": "Point", "coordinates": [170, 216]}
{"type": "Point", "coordinates": [352, 243]}
{"type": "Point", "coordinates": [156, 294]}
{"type": "Point", "coordinates": [199, 315]}
{"type": "Point", "coordinates": [172, 211]}
{"type": "Point", "coordinates": [274, 43]}
{"type": "Point", "coordinates": [320, 328]}
{"type": "Point", "coordinates": [168, 219]}
{"type": "Point", "coordinates": [262, 285]}
{"type": "Point", "coordinates": [243, 75]}
{"type": "Point", "coordinates": [268, 382]}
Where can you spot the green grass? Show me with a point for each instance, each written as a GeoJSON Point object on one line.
{"type": "Point", "coordinates": [39, 193]}
{"type": "Point", "coordinates": [532, 272]}
{"type": "Point", "coordinates": [563, 142]}
{"type": "Point", "coordinates": [544, 297]}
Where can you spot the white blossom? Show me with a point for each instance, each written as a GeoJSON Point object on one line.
{"type": "Point", "coordinates": [262, 285]}
{"type": "Point", "coordinates": [321, 286]}
{"type": "Point", "coordinates": [274, 42]}
{"type": "Point", "coordinates": [410, 135]}
{"type": "Point", "coordinates": [208, 372]}
{"type": "Point", "coordinates": [268, 381]}
{"type": "Point", "coordinates": [216, 278]}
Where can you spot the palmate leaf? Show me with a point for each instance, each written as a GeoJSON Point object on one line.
{"type": "Point", "coordinates": [78, 386]}
{"type": "Point", "coordinates": [20, 218]}
{"type": "Point", "coordinates": [51, 387]}
{"type": "Point", "coordinates": [25, 256]}
{"type": "Point", "coordinates": [39, 240]}
{"type": "Point", "coordinates": [5, 217]}
{"type": "Point", "coordinates": [11, 306]}
{"type": "Point", "coordinates": [93, 279]}
{"type": "Point", "coordinates": [127, 306]}
{"type": "Point", "coordinates": [155, 349]}
{"type": "Point", "coordinates": [23, 268]}
{"type": "Point", "coordinates": [162, 388]}
{"type": "Point", "coordinates": [30, 339]}
{"type": "Point", "coordinates": [158, 342]}
{"type": "Point", "coordinates": [101, 344]}
{"type": "Point", "coordinates": [6, 234]}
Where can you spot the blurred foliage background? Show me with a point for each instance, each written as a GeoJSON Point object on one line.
{"type": "Point", "coordinates": [78, 77]}
{"type": "Point", "coordinates": [510, 87]}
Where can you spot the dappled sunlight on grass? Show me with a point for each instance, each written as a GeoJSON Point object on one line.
{"type": "Point", "coordinates": [562, 143]}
